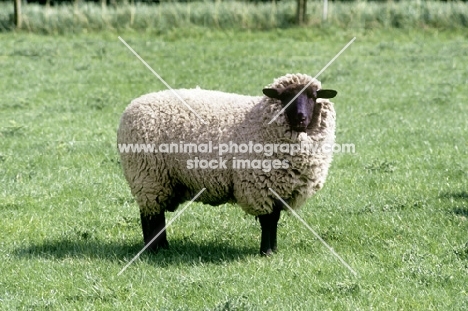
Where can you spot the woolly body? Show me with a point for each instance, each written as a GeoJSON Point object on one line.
{"type": "Point", "coordinates": [159, 181]}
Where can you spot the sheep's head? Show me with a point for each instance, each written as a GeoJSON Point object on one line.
{"type": "Point", "coordinates": [299, 112]}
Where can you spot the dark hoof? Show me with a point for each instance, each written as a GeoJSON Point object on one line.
{"type": "Point", "coordinates": [155, 247]}
{"type": "Point", "coordinates": [266, 253]}
{"type": "Point", "coordinates": [164, 244]}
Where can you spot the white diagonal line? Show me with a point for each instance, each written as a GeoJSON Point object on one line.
{"type": "Point", "coordinates": [315, 233]}
{"type": "Point", "coordinates": [161, 79]}
{"type": "Point", "coordinates": [162, 230]}
{"type": "Point", "coordinates": [318, 74]}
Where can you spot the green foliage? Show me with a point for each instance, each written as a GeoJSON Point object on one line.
{"type": "Point", "coordinates": [172, 16]}
{"type": "Point", "coordinates": [396, 210]}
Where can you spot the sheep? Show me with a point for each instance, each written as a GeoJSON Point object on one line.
{"type": "Point", "coordinates": [160, 180]}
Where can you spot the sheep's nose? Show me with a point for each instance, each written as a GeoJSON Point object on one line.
{"type": "Point", "coordinates": [301, 117]}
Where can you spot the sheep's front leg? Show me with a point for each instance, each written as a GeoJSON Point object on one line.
{"type": "Point", "coordinates": [274, 228]}
{"type": "Point", "coordinates": [269, 225]}
{"type": "Point", "coordinates": [152, 225]}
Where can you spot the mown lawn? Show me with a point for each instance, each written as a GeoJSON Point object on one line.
{"type": "Point", "coordinates": [396, 210]}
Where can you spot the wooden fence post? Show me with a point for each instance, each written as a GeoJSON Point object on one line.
{"type": "Point", "coordinates": [17, 13]}
{"type": "Point", "coordinates": [301, 11]}
{"type": "Point", "coordinates": [325, 10]}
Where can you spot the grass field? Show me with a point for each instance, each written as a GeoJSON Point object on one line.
{"type": "Point", "coordinates": [396, 210]}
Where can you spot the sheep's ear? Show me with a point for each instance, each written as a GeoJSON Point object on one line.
{"type": "Point", "coordinates": [273, 92]}
{"type": "Point", "coordinates": [326, 93]}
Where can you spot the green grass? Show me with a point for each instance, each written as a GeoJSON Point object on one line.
{"type": "Point", "coordinates": [170, 16]}
{"type": "Point", "coordinates": [396, 210]}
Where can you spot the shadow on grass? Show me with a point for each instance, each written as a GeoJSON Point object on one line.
{"type": "Point", "coordinates": [457, 196]}
{"type": "Point", "coordinates": [461, 195]}
{"type": "Point", "coordinates": [180, 251]}
{"type": "Point", "coordinates": [460, 211]}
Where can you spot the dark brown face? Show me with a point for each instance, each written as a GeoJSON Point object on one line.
{"type": "Point", "coordinates": [299, 112]}
{"type": "Point", "coordinates": [299, 108]}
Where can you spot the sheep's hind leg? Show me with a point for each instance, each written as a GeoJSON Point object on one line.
{"type": "Point", "coordinates": [269, 225]}
{"type": "Point", "coordinates": [152, 225]}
